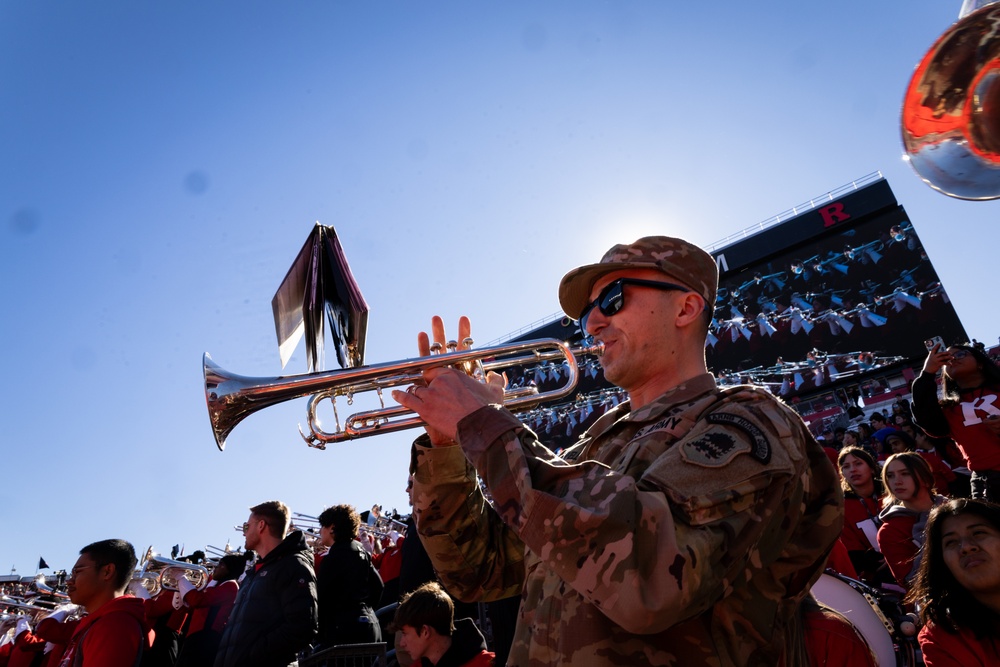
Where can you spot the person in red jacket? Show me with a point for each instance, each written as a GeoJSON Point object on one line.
{"type": "Point", "coordinates": [430, 634]}
{"type": "Point", "coordinates": [958, 586]}
{"type": "Point", "coordinates": [969, 410]}
{"type": "Point", "coordinates": [114, 633]}
{"type": "Point", "coordinates": [210, 608]}
{"type": "Point", "coordinates": [862, 488]}
{"type": "Point", "coordinates": [910, 497]}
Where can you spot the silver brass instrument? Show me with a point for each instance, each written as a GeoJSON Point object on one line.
{"type": "Point", "coordinates": [951, 110]}
{"type": "Point", "coordinates": [231, 398]}
{"type": "Point", "coordinates": [157, 574]}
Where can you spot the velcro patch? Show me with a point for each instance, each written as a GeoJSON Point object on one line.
{"type": "Point", "coordinates": [761, 449]}
{"type": "Point", "coordinates": [669, 424]}
{"type": "Point", "coordinates": [713, 449]}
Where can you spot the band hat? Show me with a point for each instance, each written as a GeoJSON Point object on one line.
{"type": "Point", "coordinates": [686, 263]}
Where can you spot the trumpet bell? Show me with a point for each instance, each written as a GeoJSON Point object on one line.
{"type": "Point", "coordinates": [951, 110]}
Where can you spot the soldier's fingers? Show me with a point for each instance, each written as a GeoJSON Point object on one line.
{"type": "Point", "coordinates": [464, 333]}
{"type": "Point", "coordinates": [437, 333]}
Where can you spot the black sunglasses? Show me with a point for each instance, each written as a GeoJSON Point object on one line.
{"type": "Point", "coordinates": [612, 297]}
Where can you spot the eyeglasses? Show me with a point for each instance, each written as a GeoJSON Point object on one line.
{"type": "Point", "coordinates": [76, 570]}
{"type": "Point", "coordinates": [960, 353]}
{"type": "Point", "coordinates": [612, 297]}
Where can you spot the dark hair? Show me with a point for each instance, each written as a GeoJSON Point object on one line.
{"type": "Point", "coordinates": [911, 444]}
{"type": "Point", "coordinates": [343, 520]}
{"type": "Point", "coordinates": [275, 514]}
{"type": "Point", "coordinates": [943, 600]}
{"type": "Point", "coordinates": [428, 605]}
{"type": "Point", "coordinates": [919, 469]}
{"type": "Point", "coordinates": [862, 454]}
{"type": "Point", "coordinates": [235, 564]}
{"type": "Point", "coordinates": [113, 552]}
{"type": "Point", "coordinates": [988, 367]}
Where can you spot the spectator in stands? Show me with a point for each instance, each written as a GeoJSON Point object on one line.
{"type": "Point", "coordinates": [910, 496]}
{"type": "Point", "coordinates": [114, 633]}
{"type": "Point", "coordinates": [859, 478]}
{"type": "Point", "coordinates": [274, 616]}
{"type": "Point", "coordinates": [901, 441]}
{"type": "Point", "coordinates": [958, 585]}
{"type": "Point", "coordinates": [969, 410]}
{"type": "Point", "coordinates": [430, 634]}
{"type": "Point", "coordinates": [349, 584]}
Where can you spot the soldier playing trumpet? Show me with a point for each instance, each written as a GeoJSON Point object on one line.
{"type": "Point", "coordinates": [683, 529]}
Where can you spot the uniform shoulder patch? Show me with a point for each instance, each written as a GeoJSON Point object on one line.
{"type": "Point", "coordinates": [715, 448]}
{"type": "Point", "coordinates": [760, 447]}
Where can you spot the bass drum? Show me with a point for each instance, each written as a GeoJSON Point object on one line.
{"type": "Point", "coordinates": [876, 616]}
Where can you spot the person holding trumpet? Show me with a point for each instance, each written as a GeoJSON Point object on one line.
{"type": "Point", "coordinates": [686, 525]}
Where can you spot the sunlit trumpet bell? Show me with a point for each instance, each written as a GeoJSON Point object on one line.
{"type": "Point", "coordinates": [951, 110]}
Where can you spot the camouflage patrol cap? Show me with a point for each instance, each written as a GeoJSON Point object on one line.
{"type": "Point", "coordinates": [684, 262]}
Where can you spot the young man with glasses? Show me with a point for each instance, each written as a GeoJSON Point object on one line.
{"type": "Point", "coordinates": [683, 529]}
{"type": "Point", "coordinates": [114, 632]}
{"type": "Point", "coordinates": [275, 613]}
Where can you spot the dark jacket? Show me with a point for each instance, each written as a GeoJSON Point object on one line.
{"type": "Point", "coordinates": [349, 586]}
{"type": "Point", "coordinates": [275, 613]}
{"type": "Point", "coordinates": [416, 569]}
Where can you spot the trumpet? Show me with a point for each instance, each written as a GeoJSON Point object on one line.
{"type": "Point", "coordinates": [231, 398]}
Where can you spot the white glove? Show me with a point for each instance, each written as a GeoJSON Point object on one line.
{"type": "Point", "coordinates": [22, 625]}
{"type": "Point", "coordinates": [48, 648]}
{"type": "Point", "coordinates": [177, 601]}
{"type": "Point", "coordinates": [184, 586]}
{"type": "Point", "coordinates": [138, 590]}
{"type": "Point", "coordinates": [60, 613]}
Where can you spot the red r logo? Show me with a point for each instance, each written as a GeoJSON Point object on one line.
{"type": "Point", "coordinates": [833, 214]}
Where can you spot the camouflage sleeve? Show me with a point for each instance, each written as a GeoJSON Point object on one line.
{"type": "Point", "coordinates": [655, 547]}
{"type": "Point", "coordinates": [476, 556]}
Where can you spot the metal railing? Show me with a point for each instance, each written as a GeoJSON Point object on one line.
{"type": "Point", "coordinates": [797, 210]}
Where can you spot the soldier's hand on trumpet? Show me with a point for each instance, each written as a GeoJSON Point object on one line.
{"type": "Point", "coordinates": [448, 395]}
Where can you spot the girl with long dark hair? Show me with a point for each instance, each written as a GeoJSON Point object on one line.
{"type": "Point", "coordinates": [958, 585]}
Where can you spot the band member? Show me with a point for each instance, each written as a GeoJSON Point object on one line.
{"type": "Point", "coordinates": [114, 632]}
{"type": "Point", "coordinates": [274, 616]}
{"type": "Point", "coordinates": [210, 609]}
{"type": "Point", "coordinates": [683, 529]}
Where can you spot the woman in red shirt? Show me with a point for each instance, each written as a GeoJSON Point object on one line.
{"type": "Point", "coordinates": [862, 503]}
{"type": "Point", "coordinates": [910, 497]}
{"type": "Point", "coordinates": [958, 586]}
{"type": "Point", "coordinates": [969, 410]}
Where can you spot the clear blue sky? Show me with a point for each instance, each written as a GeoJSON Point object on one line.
{"type": "Point", "coordinates": [162, 163]}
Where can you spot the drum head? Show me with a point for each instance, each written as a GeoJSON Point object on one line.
{"type": "Point", "coordinates": [838, 594]}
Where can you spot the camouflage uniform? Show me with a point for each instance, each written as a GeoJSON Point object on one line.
{"type": "Point", "coordinates": [682, 534]}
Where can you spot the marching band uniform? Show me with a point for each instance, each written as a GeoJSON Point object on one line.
{"type": "Point", "coordinates": [210, 609]}
{"type": "Point", "coordinates": [113, 636]}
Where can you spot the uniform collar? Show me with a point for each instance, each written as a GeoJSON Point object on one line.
{"type": "Point", "coordinates": [682, 393]}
